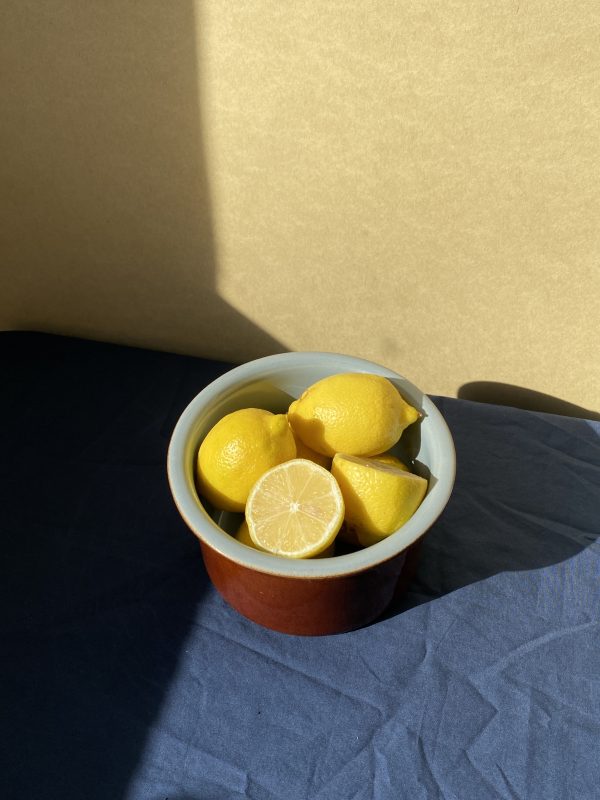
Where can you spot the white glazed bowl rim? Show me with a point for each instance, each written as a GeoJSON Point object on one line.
{"type": "Point", "coordinates": [182, 450]}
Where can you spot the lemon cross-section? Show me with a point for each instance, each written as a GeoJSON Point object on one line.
{"type": "Point", "coordinates": [243, 535]}
{"type": "Point", "coordinates": [295, 509]}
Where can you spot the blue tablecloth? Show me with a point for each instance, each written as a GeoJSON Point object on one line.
{"type": "Point", "coordinates": [125, 675]}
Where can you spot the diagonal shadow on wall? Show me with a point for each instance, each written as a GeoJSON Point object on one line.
{"type": "Point", "coordinates": [109, 224]}
{"type": "Point", "coordinates": [108, 232]}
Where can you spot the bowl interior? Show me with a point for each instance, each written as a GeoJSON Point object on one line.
{"type": "Point", "coordinates": [273, 383]}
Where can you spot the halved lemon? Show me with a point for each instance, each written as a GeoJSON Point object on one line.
{"type": "Point", "coordinates": [243, 536]}
{"type": "Point", "coordinates": [295, 509]}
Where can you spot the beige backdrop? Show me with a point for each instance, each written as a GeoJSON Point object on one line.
{"type": "Point", "coordinates": [413, 182]}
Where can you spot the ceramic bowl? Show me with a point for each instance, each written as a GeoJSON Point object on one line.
{"type": "Point", "coordinates": [306, 596]}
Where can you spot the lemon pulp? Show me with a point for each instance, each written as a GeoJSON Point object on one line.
{"type": "Point", "coordinates": [295, 509]}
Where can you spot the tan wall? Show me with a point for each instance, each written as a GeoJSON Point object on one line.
{"type": "Point", "coordinates": [413, 182]}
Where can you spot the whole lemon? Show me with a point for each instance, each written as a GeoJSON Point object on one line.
{"type": "Point", "coordinates": [379, 498]}
{"type": "Point", "coordinates": [240, 448]}
{"type": "Point", "coordinates": [356, 413]}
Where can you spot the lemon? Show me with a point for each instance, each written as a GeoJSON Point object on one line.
{"type": "Point", "coordinates": [303, 451]}
{"type": "Point", "coordinates": [388, 458]}
{"type": "Point", "coordinates": [237, 451]}
{"type": "Point", "coordinates": [355, 413]}
{"type": "Point", "coordinates": [349, 532]}
{"type": "Point", "coordinates": [379, 498]}
{"type": "Point", "coordinates": [243, 536]}
{"type": "Point", "coordinates": [295, 509]}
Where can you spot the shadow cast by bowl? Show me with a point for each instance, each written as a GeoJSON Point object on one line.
{"type": "Point", "coordinates": [525, 498]}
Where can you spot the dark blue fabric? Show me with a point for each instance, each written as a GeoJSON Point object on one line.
{"type": "Point", "coordinates": [124, 674]}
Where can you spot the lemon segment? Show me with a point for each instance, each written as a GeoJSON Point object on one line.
{"type": "Point", "coordinates": [378, 498]}
{"type": "Point", "coordinates": [355, 413]}
{"type": "Point", "coordinates": [237, 450]}
{"type": "Point", "coordinates": [243, 536]}
{"type": "Point", "coordinates": [295, 509]}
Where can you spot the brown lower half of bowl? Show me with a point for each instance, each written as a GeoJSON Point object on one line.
{"type": "Point", "coordinates": [311, 606]}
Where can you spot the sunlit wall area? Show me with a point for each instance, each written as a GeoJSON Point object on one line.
{"type": "Point", "coordinates": [415, 183]}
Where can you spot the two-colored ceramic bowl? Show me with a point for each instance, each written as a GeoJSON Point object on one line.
{"type": "Point", "coordinates": [305, 596]}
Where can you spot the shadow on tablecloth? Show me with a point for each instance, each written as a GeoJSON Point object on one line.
{"type": "Point", "coordinates": [526, 496]}
{"type": "Point", "coordinates": [102, 581]}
